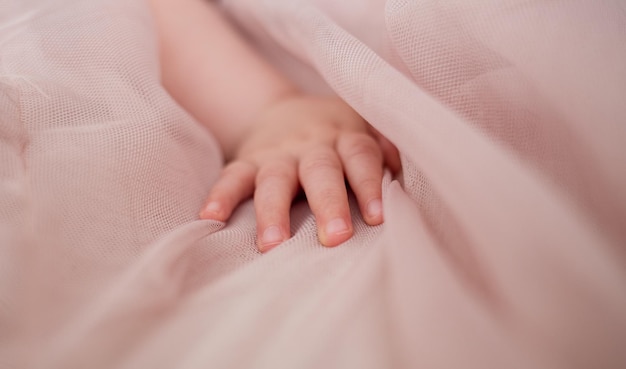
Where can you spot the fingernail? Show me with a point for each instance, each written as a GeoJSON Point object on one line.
{"type": "Point", "coordinates": [211, 209]}
{"type": "Point", "coordinates": [271, 236]}
{"type": "Point", "coordinates": [375, 208]}
{"type": "Point", "coordinates": [336, 226]}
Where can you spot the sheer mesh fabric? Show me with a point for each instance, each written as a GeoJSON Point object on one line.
{"type": "Point", "coordinates": [504, 238]}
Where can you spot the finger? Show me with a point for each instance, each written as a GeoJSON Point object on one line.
{"type": "Point", "coordinates": [363, 163]}
{"type": "Point", "coordinates": [322, 179]}
{"type": "Point", "coordinates": [276, 186]}
{"type": "Point", "coordinates": [236, 183]}
{"type": "Point", "coordinates": [390, 152]}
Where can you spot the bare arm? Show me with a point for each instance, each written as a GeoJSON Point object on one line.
{"type": "Point", "coordinates": [211, 71]}
{"type": "Point", "coordinates": [276, 140]}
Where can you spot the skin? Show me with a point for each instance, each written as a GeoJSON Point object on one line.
{"type": "Point", "coordinates": [276, 140]}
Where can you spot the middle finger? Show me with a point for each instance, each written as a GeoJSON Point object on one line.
{"type": "Point", "coordinates": [321, 176]}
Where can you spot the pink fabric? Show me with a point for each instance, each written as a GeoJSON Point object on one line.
{"type": "Point", "coordinates": [504, 239]}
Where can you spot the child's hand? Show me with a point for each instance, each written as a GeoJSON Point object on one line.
{"type": "Point", "coordinates": [308, 142]}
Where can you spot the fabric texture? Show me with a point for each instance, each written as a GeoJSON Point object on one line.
{"type": "Point", "coordinates": [504, 241]}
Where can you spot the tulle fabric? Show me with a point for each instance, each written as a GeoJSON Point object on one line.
{"type": "Point", "coordinates": [504, 238]}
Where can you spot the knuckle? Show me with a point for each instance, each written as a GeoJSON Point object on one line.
{"type": "Point", "coordinates": [238, 168]}
{"type": "Point", "coordinates": [361, 146]}
{"type": "Point", "coordinates": [330, 196]}
{"type": "Point", "coordinates": [321, 160]}
{"type": "Point", "coordinates": [271, 203]}
{"type": "Point", "coordinates": [369, 185]}
{"type": "Point", "coordinates": [282, 172]}
{"type": "Point", "coordinates": [221, 188]}
{"type": "Point", "coordinates": [264, 202]}
{"type": "Point", "coordinates": [329, 200]}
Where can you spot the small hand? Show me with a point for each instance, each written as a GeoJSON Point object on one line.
{"type": "Point", "coordinates": [312, 143]}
